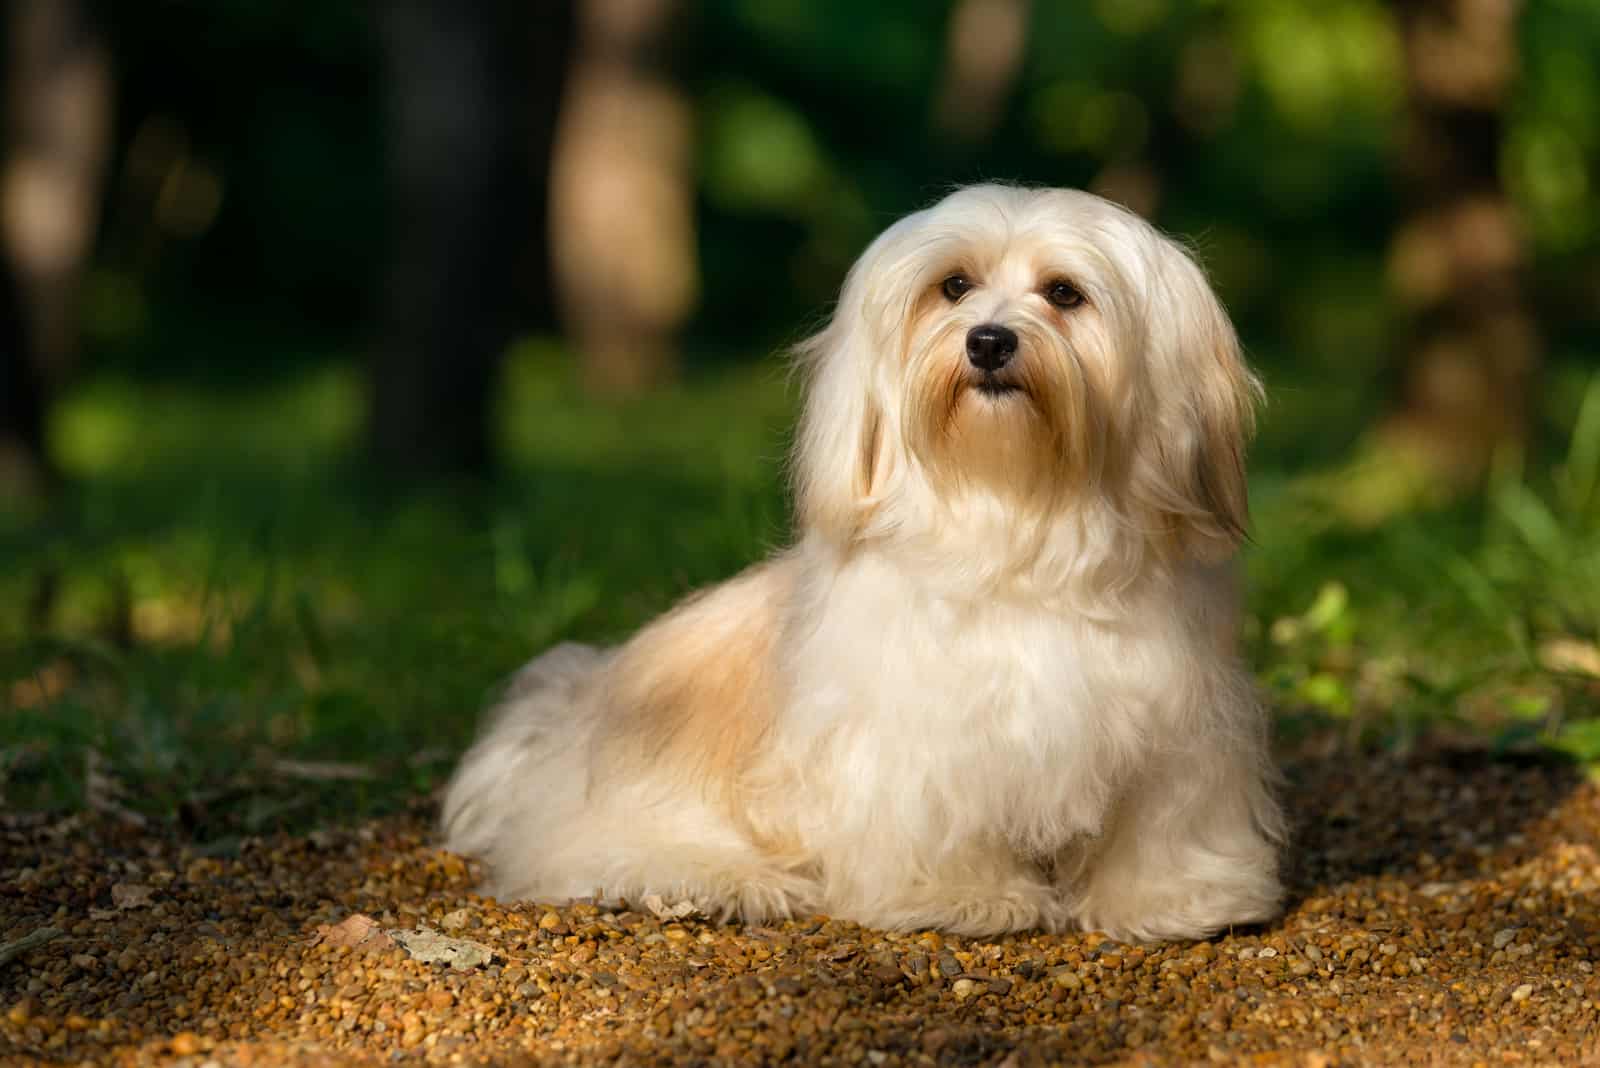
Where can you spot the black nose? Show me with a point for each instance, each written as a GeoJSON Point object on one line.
{"type": "Point", "coordinates": [991, 347]}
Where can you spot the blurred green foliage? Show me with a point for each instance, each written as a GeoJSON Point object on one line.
{"type": "Point", "coordinates": [1271, 124]}
{"type": "Point", "coordinates": [224, 589]}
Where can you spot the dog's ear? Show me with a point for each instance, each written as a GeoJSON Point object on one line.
{"type": "Point", "coordinates": [843, 453]}
{"type": "Point", "coordinates": [1191, 471]}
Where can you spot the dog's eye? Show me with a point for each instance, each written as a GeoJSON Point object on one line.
{"type": "Point", "coordinates": [1063, 295]}
{"type": "Point", "coordinates": [955, 287]}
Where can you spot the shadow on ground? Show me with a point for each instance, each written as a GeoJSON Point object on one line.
{"type": "Point", "coordinates": [1436, 816]}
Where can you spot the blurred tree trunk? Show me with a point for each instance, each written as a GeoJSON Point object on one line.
{"type": "Point", "coordinates": [58, 115]}
{"type": "Point", "coordinates": [622, 196]}
{"type": "Point", "coordinates": [1458, 259]}
{"type": "Point", "coordinates": [23, 463]}
{"type": "Point", "coordinates": [984, 49]}
{"type": "Point", "coordinates": [473, 89]}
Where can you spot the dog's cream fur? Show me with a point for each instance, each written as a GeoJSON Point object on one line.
{"type": "Point", "coordinates": [992, 685]}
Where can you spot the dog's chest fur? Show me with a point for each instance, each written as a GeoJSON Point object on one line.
{"type": "Point", "coordinates": [920, 712]}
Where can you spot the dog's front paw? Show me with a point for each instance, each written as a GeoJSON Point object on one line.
{"type": "Point", "coordinates": [977, 911]}
{"type": "Point", "coordinates": [755, 895]}
{"type": "Point", "coordinates": [1183, 910]}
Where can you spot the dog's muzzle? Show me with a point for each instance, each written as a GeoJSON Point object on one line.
{"type": "Point", "coordinates": [991, 346]}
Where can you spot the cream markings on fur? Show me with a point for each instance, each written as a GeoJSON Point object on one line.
{"type": "Point", "coordinates": [992, 685]}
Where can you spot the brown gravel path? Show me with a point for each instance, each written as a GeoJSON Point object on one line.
{"type": "Point", "coordinates": [1446, 912]}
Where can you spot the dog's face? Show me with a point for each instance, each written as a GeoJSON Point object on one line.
{"type": "Point", "coordinates": [1042, 348]}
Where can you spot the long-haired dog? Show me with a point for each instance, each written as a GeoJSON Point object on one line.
{"type": "Point", "coordinates": [992, 685]}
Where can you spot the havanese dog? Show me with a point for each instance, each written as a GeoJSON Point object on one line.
{"type": "Point", "coordinates": [992, 685]}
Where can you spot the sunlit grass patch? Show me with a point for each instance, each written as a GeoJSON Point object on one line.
{"type": "Point", "coordinates": [1480, 618]}
{"type": "Point", "coordinates": [114, 426]}
{"type": "Point", "coordinates": [222, 586]}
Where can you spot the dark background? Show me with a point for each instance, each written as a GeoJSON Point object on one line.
{"type": "Point", "coordinates": [277, 181]}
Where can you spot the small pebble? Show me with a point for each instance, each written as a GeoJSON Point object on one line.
{"type": "Point", "coordinates": [887, 973]}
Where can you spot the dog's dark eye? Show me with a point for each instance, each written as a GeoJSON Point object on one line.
{"type": "Point", "coordinates": [1063, 295]}
{"type": "Point", "coordinates": [955, 287]}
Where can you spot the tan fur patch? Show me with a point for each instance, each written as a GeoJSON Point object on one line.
{"type": "Point", "coordinates": [874, 457]}
{"type": "Point", "coordinates": [694, 690]}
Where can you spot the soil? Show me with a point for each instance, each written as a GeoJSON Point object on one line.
{"type": "Point", "coordinates": [1444, 911]}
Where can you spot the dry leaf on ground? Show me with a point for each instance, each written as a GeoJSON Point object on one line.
{"type": "Point", "coordinates": [431, 947]}
{"type": "Point", "coordinates": [678, 910]}
{"type": "Point", "coordinates": [130, 896]}
{"type": "Point", "coordinates": [354, 930]}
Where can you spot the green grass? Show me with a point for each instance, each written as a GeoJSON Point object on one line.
{"type": "Point", "coordinates": [222, 590]}
{"type": "Point", "coordinates": [1478, 620]}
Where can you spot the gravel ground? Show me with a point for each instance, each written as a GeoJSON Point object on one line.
{"type": "Point", "coordinates": [1444, 912]}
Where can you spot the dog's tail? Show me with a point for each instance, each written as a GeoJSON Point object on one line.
{"type": "Point", "coordinates": [535, 716]}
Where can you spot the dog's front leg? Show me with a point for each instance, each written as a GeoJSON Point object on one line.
{"type": "Point", "coordinates": [980, 892]}
{"type": "Point", "coordinates": [1191, 850]}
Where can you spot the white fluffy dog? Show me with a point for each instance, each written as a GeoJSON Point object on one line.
{"type": "Point", "coordinates": [992, 685]}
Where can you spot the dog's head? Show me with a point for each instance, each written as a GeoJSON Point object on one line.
{"type": "Point", "coordinates": [1037, 347]}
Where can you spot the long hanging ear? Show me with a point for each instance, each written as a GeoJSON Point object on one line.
{"type": "Point", "coordinates": [842, 453]}
{"type": "Point", "coordinates": [1191, 471]}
